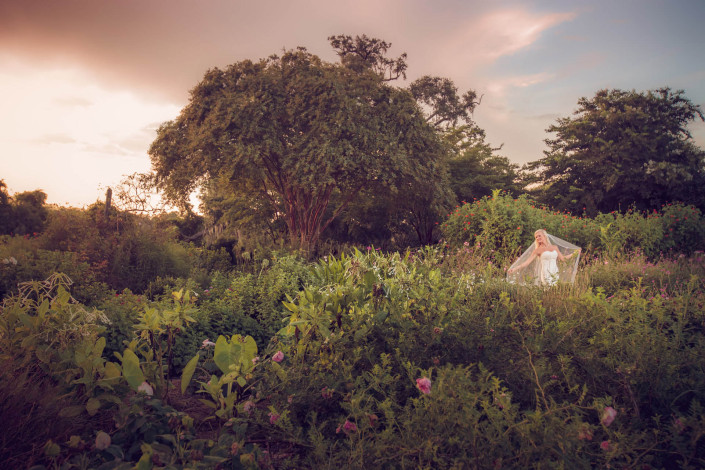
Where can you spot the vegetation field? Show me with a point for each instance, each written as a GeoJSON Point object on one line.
{"type": "Point", "coordinates": [425, 358]}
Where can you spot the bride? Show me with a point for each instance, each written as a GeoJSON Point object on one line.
{"type": "Point", "coordinates": [539, 263]}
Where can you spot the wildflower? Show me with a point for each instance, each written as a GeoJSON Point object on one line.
{"type": "Point", "coordinates": [605, 445]}
{"type": "Point", "coordinates": [146, 388]}
{"type": "Point", "coordinates": [273, 417]}
{"type": "Point", "coordinates": [102, 440]}
{"type": "Point", "coordinates": [327, 392]}
{"type": "Point", "coordinates": [235, 448]}
{"type": "Point", "coordinates": [585, 435]}
{"type": "Point", "coordinates": [278, 356]}
{"type": "Point", "coordinates": [207, 343]}
{"type": "Point", "coordinates": [248, 406]}
{"type": "Point", "coordinates": [373, 419]}
{"type": "Point", "coordinates": [255, 360]}
{"type": "Point", "coordinates": [608, 415]}
{"type": "Point", "coordinates": [424, 384]}
{"type": "Point", "coordinates": [347, 427]}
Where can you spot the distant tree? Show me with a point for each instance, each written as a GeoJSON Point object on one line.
{"type": "Point", "coordinates": [29, 212]}
{"type": "Point", "coordinates": [6, 225]}
{"type": "Point", "coordinates": [475, 168]}
{"type": "Point", "coordinates": [296, 133]}
{"type": "Point", "coordinates": [623, 148]}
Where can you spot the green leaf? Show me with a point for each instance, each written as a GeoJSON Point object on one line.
{"type": "Point", "coordinates": [99, 346]}
{"type": "Point", "coordinates": [131, 369]}
{"type": "Point", "coordinates": [112, 371]}
{"type": "Point", "coordinates": [188, 372]}
{"type": "Point", "coordinates": [71, 411]}
{"type": "Point", "coordinates": [92, 406]}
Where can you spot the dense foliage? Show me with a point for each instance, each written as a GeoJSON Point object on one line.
{"type": "Point", "coordinates": [294, 134]}
{"type": "Point", "coordinates": [182, 341]}
{"type": "Point", "coordinates": [422, 360]}
{"type": "Point", "coordinates": [623, 149]}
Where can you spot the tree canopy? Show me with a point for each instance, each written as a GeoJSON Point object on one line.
{"type": "Point", "coordinates": [295, 133]}
{"type": "Point", "coordinates": [622, 149]}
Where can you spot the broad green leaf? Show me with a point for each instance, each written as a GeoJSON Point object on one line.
{"type": "Point", "coordinates": [99, 346]}
{"type": "Point", "coordinates": [224, 354]}
{"type": "Point", "coordinates": [112, 371]}
{"type": "Point", "coordinates": [71, 411]}
{"type": "Point", "coordinates": [188, 372]}
{"type": "Point", "coordinates": [131, 369]}
{"type": "Point", "coordinates": [92, 406]}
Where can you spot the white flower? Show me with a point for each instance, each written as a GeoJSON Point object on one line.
{"type": "Point", "coordinates": [146, 388]}
{"type": "Point", "coordinates": [102, 440]}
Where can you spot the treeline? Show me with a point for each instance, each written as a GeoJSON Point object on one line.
{"type": "Point", "coordinates": [304, 150]}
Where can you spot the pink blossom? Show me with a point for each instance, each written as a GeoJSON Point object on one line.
{"type": "Point", "coordinates": [327, 392]}
{"type": "Point", "coordinates": [347, 427]}
{"type": "Point", "coordinates": [605, 445]}
{"type": "Point", "coordinates": [248, 406]}
{"type": "Point", "coordinates": [424, 384]}
{"type": "Point", "coordinates": [278, 356]}
{"type": "Point", "coordinates": [146, 388]}
{"type": "Point", "coordinates": [207, 344]}
{"type": "Point", "coordinates": [255, 359]}
{"type": "Point", "coordinates": [273, 417]}
{"type": "Point", "coordinates": [585, 435]}
{"type": "Point", "coordinates": [608, 415]}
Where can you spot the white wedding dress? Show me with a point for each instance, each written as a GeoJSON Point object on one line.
{"type": "Point", "coordinates": [549, 268]}
{"type": "Point", "coordinates": [544, 270]}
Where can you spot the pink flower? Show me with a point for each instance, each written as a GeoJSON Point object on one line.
{"type": "Point", "coordinates": [255, 359]}
{"type": "Point", "coordinates": [424, 384]}
{"type": "Point", "coordinates": [585, 435]}
{"type": "Point", "coordinates": [146, 388]}
{"type": "Point", "coordinates": [605, 445]}
{"type": "Point", "coordinates": [347, 427]}
{"type": "Point", "coordinates": [207, 344]}
{"type": "Point", "coordinates": [327, 392]}
{"type": "Point", "coordinates": [608, 415]}
{"type": "Point", "coordinates": [273, 417]}
{"type": "Point", "coordinates": [278, 356]}
{"type": "Point", "coordinates": [248, 406]}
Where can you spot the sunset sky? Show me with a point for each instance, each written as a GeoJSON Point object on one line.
{"type": "Point", "coordinates": [85, 83]}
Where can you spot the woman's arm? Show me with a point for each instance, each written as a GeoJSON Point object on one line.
{"type": "Point", "coordinates": [524, 264]}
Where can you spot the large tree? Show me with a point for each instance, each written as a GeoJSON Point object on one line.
{"type": "Point", "coordinates": [296, 133]}
{"type": "Point", "coordinates": [622, 149]}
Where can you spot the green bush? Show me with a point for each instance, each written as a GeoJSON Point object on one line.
{"type": "Point", "coordinates": [501, 228]}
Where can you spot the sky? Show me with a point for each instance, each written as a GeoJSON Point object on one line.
{"type": "Point", "coordinates": [84, 84]}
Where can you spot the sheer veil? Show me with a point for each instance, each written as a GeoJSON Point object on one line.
{"type": "Point", "coordinates": [531, 274]}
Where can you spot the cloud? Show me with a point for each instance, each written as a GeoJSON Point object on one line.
{"type": "Point", "coordinates": [70, 102]}
{"type": "Point", "coordinates": [49, 139]}
{"type": "Point", "coordinates": [506, 32]}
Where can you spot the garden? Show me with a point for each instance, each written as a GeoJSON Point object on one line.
{"type": "Point", "coordinates": [149, 352]}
